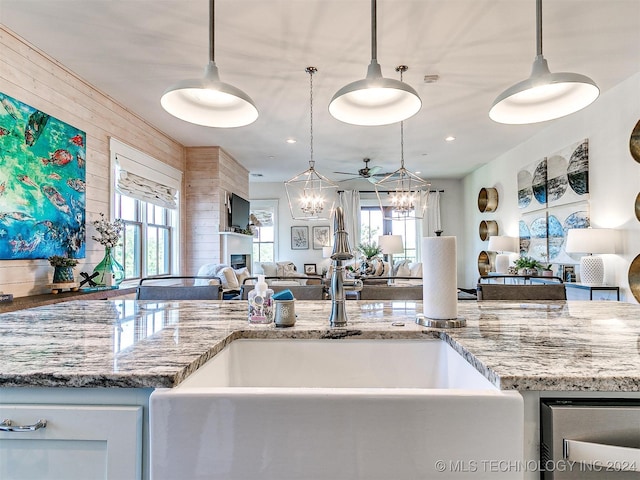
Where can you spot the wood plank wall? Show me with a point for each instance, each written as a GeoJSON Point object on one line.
{"type": "Point", "coordinates": [210, 173]}
{"type": "Point", "coordinates": [32, 77]}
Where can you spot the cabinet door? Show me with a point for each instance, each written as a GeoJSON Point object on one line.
{"type": "Point", "coordinates": [78, 442]}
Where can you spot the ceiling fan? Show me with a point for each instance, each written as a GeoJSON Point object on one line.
{"type": "Point", "coordinates": [368, 173]}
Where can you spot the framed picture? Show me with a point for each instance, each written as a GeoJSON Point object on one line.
{"type": "Point", "coordinates": [300, 238]}
{"type": "Point", "coordinates": [568, 273]}
{"type": "Point", "coordinates": [320, 237]}
{"type": "Point", "coordinates": [310, 268]}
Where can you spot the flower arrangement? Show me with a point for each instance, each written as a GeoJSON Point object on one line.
{"type": "Point", "coordinates": [109, 231]}
{"type": "Point", "coordinates": [370, 250]}
{"type": "Point", "coordinates": [59, 261]}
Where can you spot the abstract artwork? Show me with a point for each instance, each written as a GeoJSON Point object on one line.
{"type": "Point", "coordinates": [568, 175]}
{"type": "Point", "coordinates": [561, 219]}
{"type": "Point", "coordinates": [552, 198]}
{"type": "Point", "coordinates": [42, 184]}
{"type": "Point", "coordinates": [533, 235]}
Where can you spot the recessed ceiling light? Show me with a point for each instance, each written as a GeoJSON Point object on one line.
{"type": "Point", "coordinates": [291, 140]}
{"type": "Point", "coordinates": [450, 138]}
{"type": "Point", "coordinates": [417, 172]}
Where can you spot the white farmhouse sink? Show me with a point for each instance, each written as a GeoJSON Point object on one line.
{"type": "Point", "coordinates": [335, 409]}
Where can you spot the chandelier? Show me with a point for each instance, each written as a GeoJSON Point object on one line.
{"type": "Point", "coordinates": [311, 195]}
{"type": "Point", "coordinates": [404, 192]}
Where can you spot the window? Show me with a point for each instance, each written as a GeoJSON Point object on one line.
{"type": "Point", "coordinates": [263, 218]}
{"type": "Point", "coordinates": [373, 225]}
{"type": "Point", "coordinates": [147, 245]}
{"type": "Point", "coordinates": [145, 193]}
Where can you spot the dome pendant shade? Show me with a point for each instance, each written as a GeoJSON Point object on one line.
{"type": "Point", "coordinates": [209, 102]}
{"type": "Point", "coordinates": [375, 100]}
{"type": "Point", "coordinates": [543, 96]}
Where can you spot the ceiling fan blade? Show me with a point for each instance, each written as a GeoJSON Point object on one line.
{"type": "Point", "coordinates": [374, 170]}
{"type": "Point", "coordinates": [345, 173]}
{"type": "Point", "coordinates": [371, 179]}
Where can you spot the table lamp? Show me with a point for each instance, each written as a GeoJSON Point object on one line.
{"type": "Point", "coordinates": [590, 241]}
{"type": "Point", "coordinates": [504, 245]}
{"type": "Point", "coordinates": [390, 244]}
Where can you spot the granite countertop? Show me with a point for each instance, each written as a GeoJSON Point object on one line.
{"type": "Point", "coordinates": [592, 346]}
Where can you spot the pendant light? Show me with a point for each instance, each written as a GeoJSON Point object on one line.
{"type": "Point", "coordinates": [375, 100]}
{"type": "Point", "coordinates": [544, 95]}
{"type": "Point", "coordinates": [403, 191]}
{"type": "Point", "coordinates": [311, 196]}
{"type": "Point", "coordinates": [208, 101]}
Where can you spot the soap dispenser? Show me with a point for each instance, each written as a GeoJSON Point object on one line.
{"type": "Point", "coordinates": [261, 302]}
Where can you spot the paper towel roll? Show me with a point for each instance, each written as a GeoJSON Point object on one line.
{"type": "Point", "coordinates": [439, 278]}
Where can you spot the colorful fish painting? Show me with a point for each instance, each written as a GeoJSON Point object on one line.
{"type": "Point", "coordinates": [27, 181]}
{"type": "Point", "coordinates": [42, 189]}
{"type": "Point", "coordinates": [35, 126]}
{"type": "Point", "coordinates": [77, 140]}
{"type": "Point", "coordinates": [60, 158]}
{"type": "Point", "coordinates": [77, 184]}
{"type": "Point", "coordinates": [54, 196]}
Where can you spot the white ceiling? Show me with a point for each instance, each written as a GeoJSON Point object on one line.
{"type": "Point", "coordinates": [134, 49]}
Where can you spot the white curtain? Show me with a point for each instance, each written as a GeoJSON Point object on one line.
{"type": "Point", "coordinates": [350, 203]}
{"type": "Point", "coordinates": [431, 220]}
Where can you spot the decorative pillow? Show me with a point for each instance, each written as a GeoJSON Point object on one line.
{"type": "Point", "coordinates": [208, 270]}
{"type": "Point", "coordinates": [379, 271]}
{"type": "Point", "coordinates": [241, 274]}
{"type": "Point", "coordinates": [416, 269]}
{"type": "Point", "coordinates": [285, 269]}
{"type": "Point", "coordinates": [269, 269]}
{"type": "Point", "coordinates": [403, 269]}
{"type": "Point", "coordinates": [228, 278]}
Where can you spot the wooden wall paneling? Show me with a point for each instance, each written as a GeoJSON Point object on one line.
{"type": "Point", "coordinates": [32, 77]}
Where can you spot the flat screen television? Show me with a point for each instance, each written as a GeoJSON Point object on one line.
{"type": "Point", "coordinates": [239, 216]}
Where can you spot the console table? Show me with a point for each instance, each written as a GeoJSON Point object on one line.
{"type": "Point", "coordinates": [593, 288]}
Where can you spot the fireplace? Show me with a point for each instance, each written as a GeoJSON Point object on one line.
{"type": "Point", "coordinates": [239, 261]}
{"type": "Point", "coordinates": [236, 249]}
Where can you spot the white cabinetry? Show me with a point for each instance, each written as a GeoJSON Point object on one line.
{"type": "Point", "coordinates": [102, 438]}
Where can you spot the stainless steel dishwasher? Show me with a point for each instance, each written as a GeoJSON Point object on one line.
{"type": "Point", "coordinates": [590, 439]}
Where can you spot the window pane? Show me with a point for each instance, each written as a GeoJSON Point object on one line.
{"type": "Point", "coordinates": [371, 225]}
{"type": "Point", "coordinates": [163, 252]}
{"type": "Point", "coordinates": [150, 213]}
{"type": "Point", "coordinates": [159, 215]}
{"type": "Point", "coordinates": [130, 256]}
{"type": "Point", "coordinates": [267, 252]}
{"type": "Point", "coordinates": [152, 251]}
{"type": "Point", "coordinates": [267, 234]}
{"type": "Point", "coordinates": [128, 208]}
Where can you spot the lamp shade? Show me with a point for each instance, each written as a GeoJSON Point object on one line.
{"type": "Point", "coordinates": [502, 243]}
{"type": "Point", "coordinates": [208, 101]}
{"type": "Point", "coordinates": [375, 100]}
{"type": "Point", "coordinates": [543, 96]}
{"type": "Point", "coordinates": [590, 240]}
{"type": "Point", "coordinates": [391, 244]}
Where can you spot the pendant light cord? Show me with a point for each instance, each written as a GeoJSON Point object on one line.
{"type": "Point", "coordinates": [311, 71]}
{"type": "Point", "coordinates": [374, 31]}
{"type": "Point", "coordinates": [401, 69]}
{"type": "Point", "coordinates": [539, 28]}
{"type": "Point", "coordinates": [212, 16]}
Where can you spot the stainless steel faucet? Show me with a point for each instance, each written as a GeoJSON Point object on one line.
{"type": "Point", "coordinates": [341, 252]}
